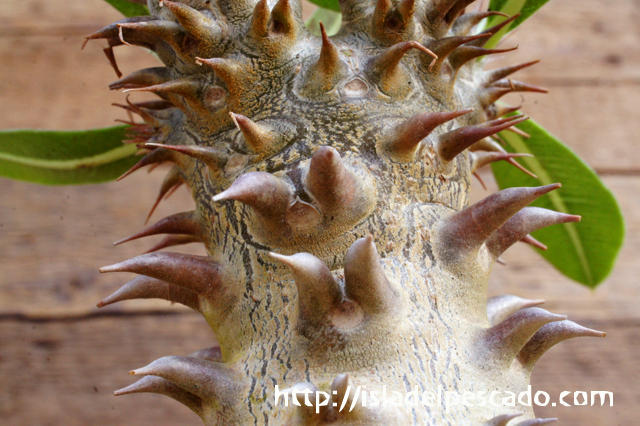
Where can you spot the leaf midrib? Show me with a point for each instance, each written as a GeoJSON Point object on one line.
{"type": "Point", "coordinates": [92, 161]}
{"type": "Point", "coordinates": [557, 201]}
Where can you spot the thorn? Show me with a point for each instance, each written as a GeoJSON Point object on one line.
{"type": "Point", "coordinates": [502, 420]}
{"type": "Point", "coordinates": [446, 11]}
{"type": "Point", "coordinates": [143, 78]}
{"type": "Point", "coordinates": [505, 340]}
{"type": "Point", "coordinates": [479, 159]}
{"type": "Point", "coordinates": [108, 51]}
{"type": "Point", "coordinates": [468, 52]}
{"type": "Point", "coordinates": [406, 9]}
{"type": "Point", "coordinates": [463, 233]}
{"type": "Point", "coordinates": [318, 292]}
{"type": "Point", "coordinates": [466, 22]}
{"type": "Point", "coordinates": [172, 180]}
{"type": "Point", "coordinates": [187, 88]}
{"type": "Point", "coordinates": [267, 195]}
{"type": "Point", "coordinates": [527, 220]}
{"type": "Point", "coordinates": [228, 71]}
{"type": "Point", "coordinates": [154, 105]}
{"type": "Point", "coordinates": [257, 137]}
{"type": "Point", "coordinates": [156, 156]}
{"type": "Point", "coordinates": [500, 73]}
{"type": "Point", "coordinates": [324, 74]}
{"type": "Point", "coordinates": [329, 182]}
{"type": "Point", "coordinates": [518, 86]}
{"type": "Point", "coordinates": [259, 27]}
{"type": "Point", "coordinates": [181, 223]}
{"type": "Point", "coordinates": [497, 111]}
{"type": "Point", "coordinates": [386, 66]}
{"type": "Point", "coordinates": [196, 273]}
{"type": "Point", "coordinates": [194, 22]}
{"type": "Point", "coordinates": [379, 16]}
{"type": "Point", "coordinates": [519, 132]}
{"type": "Point", "coordinates": [143, 287]}
{"type": "Point", "coordinates": [121, 36]}
{"type": "Point", "coordinates": [496, 28]}
{"type": "Point", "coordinates": [211, 381]}
{"type": "Point", "coordinates": [110, 32]}
{"type": "Point", "coordinates": [168, 31]}
{"type": "Point", "coordinates": [477, 176]}
{"type": "Point", "coordinates": [487, 144]}
{"type": "Point", "coordinates": [533, 242]}
{"type": "Point", "coordinates": [392, 25]}
{"type": "Point", "coordinates": [154, 384]}
{"type": "Point", "coordinates": [154, 119]}
{"type": "Point", "coordinates": [365, 280]}
{"type": "Point", "coordinates": [492, 94]}
{"type": "Point", "coordinates": [500, 308]}
{"type": "Point", "coordinates": [457, 9]}
{"type": "Point", "coordinates": [174, 240]}
{"type": "Point", "coordinates": [549, 336]}
{"type": "Point", "coordinates": [283, 19]}
{"type": "Point", "coordinates": [209, 156]}
{"type": "Point", "coordinates": [453, 143]}
{"type": "Point", "coordinates": [404, 140]}
{"type": "Point", "coordinates": [445, 46]}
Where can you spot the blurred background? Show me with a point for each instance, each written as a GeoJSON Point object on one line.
{"type": "Point", "coordinates": [61, 358]}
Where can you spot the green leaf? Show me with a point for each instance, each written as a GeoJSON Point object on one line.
{"type": "Point", "coordinates": [330, 19]}
{"type": "Point", "coordinates": [526, 8]}
{"type": "Point", "coordinates": [328, 4]}
{"type": "Point", "coordinates": [586, 251]}
{"type": "Point", "coordinates": [129, 9]}
{"type": "Point", "coordinates": [65, 158]}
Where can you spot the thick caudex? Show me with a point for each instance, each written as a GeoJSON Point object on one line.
{"type": "Point", "coordinates": [331, 179]}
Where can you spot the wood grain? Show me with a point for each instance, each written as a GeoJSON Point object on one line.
{"type": "Point", "coordinates": [57, 348]}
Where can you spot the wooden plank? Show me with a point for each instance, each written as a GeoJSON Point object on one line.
{"type": "Point", "coordinates": [63, 372]}
{"type": "Point", "coordinates": [600, 123]}
{"type": "Point", "coordinates": [580, 41]}
{"type": "Point", "coordinates": [53, 246]}
{"type": "Point", "coordinates": [49, 83]}
{"type": "Point", "coordinates": [50, 261]}
{"type": "Point", "coordinates": [39, 14]}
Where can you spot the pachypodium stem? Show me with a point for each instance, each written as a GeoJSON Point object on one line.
{"type": "Point", "coordinates": [331, 177]}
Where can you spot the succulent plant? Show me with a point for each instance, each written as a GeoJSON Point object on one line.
{"type": "Point", "coordinates": [331, 177]}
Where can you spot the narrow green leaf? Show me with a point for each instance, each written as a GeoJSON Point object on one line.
{"type": "Point", "coordinates": [586, 251]}
{"type": "Point", "coordinates": [328, 4]}
{"type": "Point", "coordinates": [526, 8]}
{"type": "Point", "coordinates": [330, 19]}
{"type": "Point", "coordinates": [65, 158]}
{"type": "Point", "coordinates": [129, 9]}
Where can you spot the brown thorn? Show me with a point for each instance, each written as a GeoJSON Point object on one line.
{"type": "Point", "coordinates": [529, 239]}
{"type": "Point", "coordinates": [477, 176]}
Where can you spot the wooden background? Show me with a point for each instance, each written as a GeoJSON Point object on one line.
{"type": "Point", "coordinates": [61, 358]}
